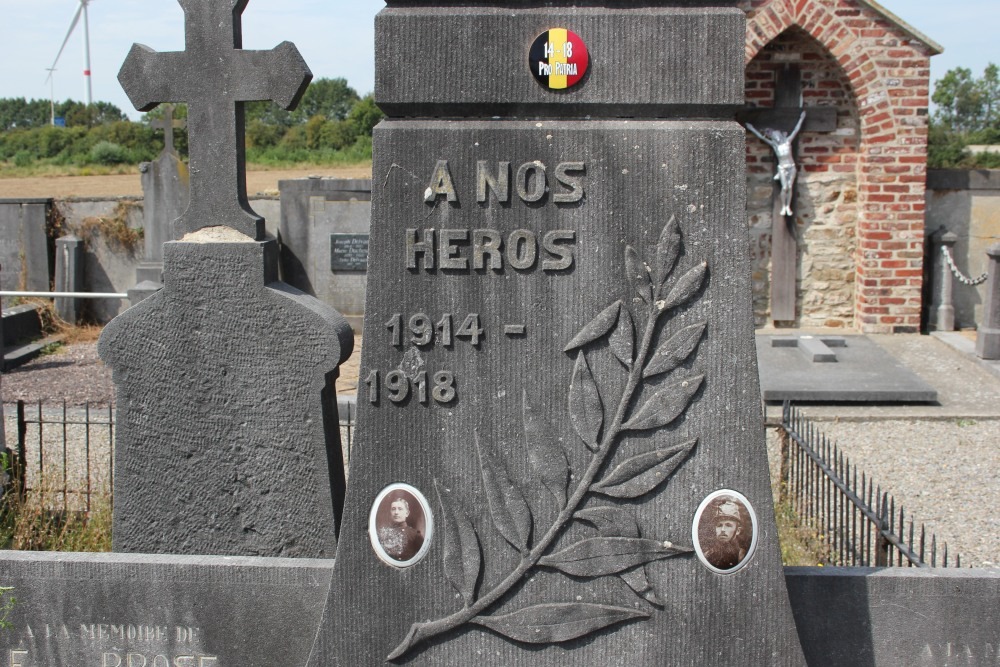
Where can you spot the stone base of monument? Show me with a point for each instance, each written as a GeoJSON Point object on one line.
{"type": "Point", "coordinates": [119, 610]}
{"type": "Point", "coordinates": [850, 369]}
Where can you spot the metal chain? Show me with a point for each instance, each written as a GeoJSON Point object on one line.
{"type": "Point", "coordinates": [946, 251]}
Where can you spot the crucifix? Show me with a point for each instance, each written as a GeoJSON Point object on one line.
{"type": "Point", "coordinates": [168, 125]}
{"type": "Point", "coordinates": [779, 127]}
{"type": "Point", "coordinates": [215, 76]}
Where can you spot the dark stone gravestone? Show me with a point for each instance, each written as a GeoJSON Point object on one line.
{"type": "Point", "coordinates": [24, 246]}
{"type": "Point", "coordinates": [324, 240]}
{"type": "Point", "coordinates": [559, 456]}
{"type": "Point", "coordinates": [137, 610]}
{"type": "Point", "coordinates": [228, 439]}
{"type": "Point", "coordinates": [166, 192]}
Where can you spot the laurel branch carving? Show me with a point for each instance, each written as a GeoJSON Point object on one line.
{"type": "Point", "coordinates": [618, 549]}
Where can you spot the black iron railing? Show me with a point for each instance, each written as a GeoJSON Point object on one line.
{"type": "Point", "coordinates": [66, 454]}
{"type": "Point", "coordinates": [857, 522]}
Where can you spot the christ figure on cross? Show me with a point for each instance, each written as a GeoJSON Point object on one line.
{"type": "Point", "coordinates": [781, 143]}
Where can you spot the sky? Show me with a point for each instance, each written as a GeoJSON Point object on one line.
{"type": "Point", "coordinates": [336, 38]}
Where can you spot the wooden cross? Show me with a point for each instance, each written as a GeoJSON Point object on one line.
{"type": "Point", "coordinates": [784, 248]}
{"type": "Point", "coordinates": [168, 125]}
{"type": "Point", "coordinates": [215, 76]}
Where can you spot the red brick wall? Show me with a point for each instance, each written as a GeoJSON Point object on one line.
{"type": "Point", "coordinates": [887, 73]}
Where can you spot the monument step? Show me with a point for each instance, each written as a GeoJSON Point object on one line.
{"type": "Point", "coordinates": [18, 355]}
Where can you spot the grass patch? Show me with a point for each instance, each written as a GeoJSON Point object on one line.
{"type": "Point", "coordinates": [28, 523]}
{"type": "Point", "coordinates": [7, 602]}
{"type": "Point", "coordinates": [800, 545]}
{"type": "Point", "coordinates": [9, 169]}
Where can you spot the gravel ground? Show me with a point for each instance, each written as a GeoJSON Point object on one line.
{"type": "Point", "coordinates": [946, 474]}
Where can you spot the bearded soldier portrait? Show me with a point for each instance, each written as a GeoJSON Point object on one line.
{"type": "Point", "coordinates": [724, 546]}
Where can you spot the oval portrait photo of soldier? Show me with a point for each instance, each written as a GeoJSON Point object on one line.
{"type": "Point", "coordinates": [400, 525]}
{"type": "Point", "coordinates": [725, 531]}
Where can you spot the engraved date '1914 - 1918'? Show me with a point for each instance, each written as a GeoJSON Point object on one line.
{"type": "Point", "coordinates": [618, 548]}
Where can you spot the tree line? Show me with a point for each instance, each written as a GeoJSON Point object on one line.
{"type": "Point", "coordinates": [967, 113]}
{"type": "Point", "coordinates": [332, 124]}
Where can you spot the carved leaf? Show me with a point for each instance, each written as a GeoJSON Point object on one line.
{"type": "Point", "coordinates": [665, 405]}
{"type": "Point", "coordinates": [686, 287]}
{"type": "Point", "coordinates": [586, 411]}
{"type": "Point", "coordinates": [559, 622]}
{"type": "Point", "coordinates": [610, 521]}
{"type": "Point", "coordinates": [509, 511]}
{"type": "Point", "coordinates": [638, 276]}
{"type": "Point", "coordinates": [673, 352]}
{"type": "Point", "coordinates": [622, 341]}
{"type": "Point", "coordinates": [545, 453]}
{"type": "Point", "coordinates": [599, 556]}
{"type": "Point", "coordinates": [641, 474]}
{"type": "Point", "coordinates": [596, 328]}
{"type": "Point", "coordinates": [638, 581]}
{"type": "Point", "coordinates": [462, 558]}
{"type": "Point", "coordinates": [613, 521]}
{"type": "Point", "coordinates": [667, 250]}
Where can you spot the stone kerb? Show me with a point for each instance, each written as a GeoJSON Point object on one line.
{"type": "Point", "coordinates": [888, 70]}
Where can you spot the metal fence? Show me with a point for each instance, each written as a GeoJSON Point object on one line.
{"type": "Point", "coordinates": [857, 522]}
{"type": "Point", "coordinates": [66, 454]}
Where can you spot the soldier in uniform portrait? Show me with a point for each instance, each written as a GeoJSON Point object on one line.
{"type": "Point", "coordinates": [398, 538]}
{"type": "Point", "coordinates": [725, 551]}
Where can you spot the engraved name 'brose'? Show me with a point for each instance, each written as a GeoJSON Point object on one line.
{"type": "Point", "coordinates": [481, 249]}
{"type": "Point", "coordinates": [531, 182]}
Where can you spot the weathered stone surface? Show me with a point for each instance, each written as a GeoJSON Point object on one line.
{"type": "Point", "coordinates": [24, 249]}
{"type": "Point", "coordinates": [896, 616]}
{"type": "Point", "coordinates": [610, 185]}
{"type": "Point", "coordinates": [117, 610]}
{"type": "Point", "coordinates": [227, 438]}
{"type": "Point", "coordinates": [166, 192]}
{"type": "Point", "coordinates": [861, 372]}
{"type": "Point", "coordinates": [312, 211]}
{"type": "Point", "coordinates": [648, 62]}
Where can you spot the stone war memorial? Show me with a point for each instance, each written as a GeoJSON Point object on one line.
{"type": "Point", "coordinates": [559, 387]}
{"type": "Point", "coordinates": [559, 455]}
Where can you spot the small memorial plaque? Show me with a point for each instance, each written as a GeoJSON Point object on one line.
{"type": "Point", "coordinates": [348, 252]}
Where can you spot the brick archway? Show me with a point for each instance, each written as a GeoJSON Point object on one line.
{"type": "Point", "coordinates": [889, 71]}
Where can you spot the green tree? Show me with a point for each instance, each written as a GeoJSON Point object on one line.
{"type": "Point", "coordinates": [365, 115]}
{"type": "Point", "coordinates": [965, 103]}
{"type": "Point", "coordinates": [968, 112]}
{"type": "Point", "coordinates": [331, 98]}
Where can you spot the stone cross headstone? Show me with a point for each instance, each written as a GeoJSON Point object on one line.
{"type": "Point", "coordinates": [228, 439]}
{"type": "Point", "coordinates": [168, 125]}
{"type": "Point", "coordinates": [214, 95]}
{"type": "Point", "coordinates": [784, 247]}
{"type": "Point", "coordinates": [166, 192]}
{"type": "Point", "coordinates": [559, 456]}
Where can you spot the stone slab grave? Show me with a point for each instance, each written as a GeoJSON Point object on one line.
{"type": "Point", "coordinates": [559, 456]}
{"type": "Point", "coordinates": [228, 439]}
{"type": "Point", "coordinates": [324, 240]}
{"type": "Point", "coordinates": [835, 369]}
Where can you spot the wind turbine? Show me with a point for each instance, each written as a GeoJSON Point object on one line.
{"type": "Point", "coordinates": [81, 10]}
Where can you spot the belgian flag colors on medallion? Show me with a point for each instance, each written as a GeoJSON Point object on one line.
{"type": "Point", "coordinates": [558, 59]}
